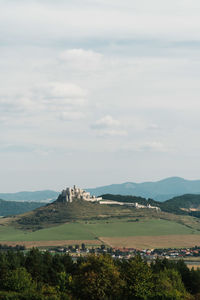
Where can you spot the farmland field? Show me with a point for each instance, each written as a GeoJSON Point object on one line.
{"type": "Point", "coordinates": [92, 230]}
{"type": "Point", "coordinates": [152, 227]}
{"type": "Point", "coordinates": [162, 241]}
{"type": "Point", "coordinates": [72, 231]}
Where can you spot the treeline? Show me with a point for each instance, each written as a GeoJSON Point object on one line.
{"type": "Point", "coordinates": [4, 247]}
{"type": "Point", "coordinates": [186, 201]}
{"type": "Point", "coordinates": [39, 275]}
{"type": "Point", "coordinates": [131, 199]}
{"type": "Point", "coordinates": [174, 205]}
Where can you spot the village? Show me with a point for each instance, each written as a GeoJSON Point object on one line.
{"type": "Point", "coordinates": [77, 251]}
{"type": "Point", "coordinates": [191, 256]}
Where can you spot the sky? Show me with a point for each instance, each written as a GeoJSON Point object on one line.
{"type": "Point", "coordinates": [94, 92]}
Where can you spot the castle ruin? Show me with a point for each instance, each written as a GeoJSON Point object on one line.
{"type": "Point", "coordinates": [70, 194]}
{"type": "Point", "coordinates": [75, 193]}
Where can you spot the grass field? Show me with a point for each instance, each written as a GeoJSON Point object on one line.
{"type": "Point", "coordinates": [72, 231]}
{"type": "Point", "coordinates": [94, 229]}
{"type": "Point", "coordinates": [151, 227]}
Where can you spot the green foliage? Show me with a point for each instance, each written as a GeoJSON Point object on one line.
{"type": "Point", "coordinates": [168, 285]}
{"type": "Point", "coordinates": [18, 280]}
{"type": "Point", "coordinates": [15, 208]}
{"type": "Point", "coordinates": [138, 279]}
{"type": "Point", "coordinates": [130, 199]}
{"type": "Point", "coordinates": [98, 278]}
{"type": "Point", "coordinates": [186, 201]}
{"type": "Point", "coordinates": [58, 213]}
{"type": "Point", "coordinates": [39, 275]}
{"type": "Point", "coordinates": [173, 205]}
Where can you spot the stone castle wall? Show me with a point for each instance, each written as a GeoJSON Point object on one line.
{"type": "Point", "coordinates": [76, 193]}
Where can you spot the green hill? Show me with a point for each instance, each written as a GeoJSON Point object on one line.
{"type": "Point", "coordinates": [131, 199]}
{"type": "Point", "coordinates": [91, 220]}
{"type": "Point", "coordinates": [58, 213]}
{"type": "Point", "coordinates": [188, 204]}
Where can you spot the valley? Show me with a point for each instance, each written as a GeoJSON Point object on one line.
{"type": "Point", "coordinates": [74, 221]}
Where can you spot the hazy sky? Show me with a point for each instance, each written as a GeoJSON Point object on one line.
{"type": "Point", "coordinates": [95, 92]}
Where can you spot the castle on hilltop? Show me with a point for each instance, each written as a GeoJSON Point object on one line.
{"type": "Point", "coordinates": [70, 194]}
{"type": "Point", "coordinates": [75, 193]}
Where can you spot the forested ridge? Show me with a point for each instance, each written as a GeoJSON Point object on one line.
{"type": "Point", "coordinates": [40, 275]}
{"type": "Point", "coordinates": [14, 208]}
{"type": "Point", "coordinates": [175, 205]}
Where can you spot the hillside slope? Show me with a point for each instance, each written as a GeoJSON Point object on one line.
{"type": "Point", "coordinates": [58, 213]}
{"type": "Point", "coordinates": [185, 204]}
{"type": "Point", "coordinates": [188, 204]}
{"type": "Point", "coordinates": [15, 208]}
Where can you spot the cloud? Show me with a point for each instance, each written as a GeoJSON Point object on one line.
{"type": "Point", "coordinates": [108, 126]}
{"type": "Point", "coordinates": [65, 99]}
{"type": "Point", "coordinates": [9, 148]}
{"type": "Point", "coordinates": [106, 122]}
{"type": "Point", "coordinates": [72, 72]}
{"type": "Point", "coordinates": [153, 126]}
{"type": "Point", "coordinates": [16, 104]}
{"type": "Point", "coordinates": [82, 59]}
{"type": "Point", "coordinates": [60, 94]}
{"type": "Point", "coordinates": [112, 132]}
{"type": "Point", "coordinates": [64, 21]}
{"type": "Point", "coordinates": [150, 146]}
{"type": "Point", "coordinates": [71, 115]}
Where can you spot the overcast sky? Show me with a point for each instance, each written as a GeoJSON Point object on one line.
{"type": "Point", "coordinates": [95, 92]}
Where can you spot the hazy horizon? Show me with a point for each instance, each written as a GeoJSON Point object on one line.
{"type": "Point", "coordinates": [60, 188]}
{"type": "Point", "coordinates": [98, 92]}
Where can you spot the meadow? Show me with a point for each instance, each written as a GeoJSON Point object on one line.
{"type": "Point", "coordinates": [112, 232]}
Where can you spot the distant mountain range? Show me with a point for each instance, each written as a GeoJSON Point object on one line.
{"type": "Point", "coordinates": [38, 196]}
{"type": "Point", "coordinates": [159, 190]}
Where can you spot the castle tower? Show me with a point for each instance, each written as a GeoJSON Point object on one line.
{"type": "Point", "coordinates": [69, 195]}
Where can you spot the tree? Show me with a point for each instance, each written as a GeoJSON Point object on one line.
{"type": "Point", "coordinates": [97, 278]}
{"type": "Point", "coordinates": [138, 278]}
{"type": "Point", "coordinates": [34, 264]}
{"type": "Point", "coordinates": [18, 280]}
{"type": "Point", "coordinates": [169, 286]}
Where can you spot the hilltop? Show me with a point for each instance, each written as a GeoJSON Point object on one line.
{"type": "Point", "coordinates": [59, 213]}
